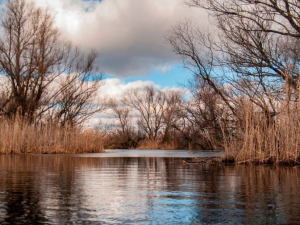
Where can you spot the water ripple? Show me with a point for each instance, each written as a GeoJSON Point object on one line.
{"type": "Point", "coordinates": [95, 190]}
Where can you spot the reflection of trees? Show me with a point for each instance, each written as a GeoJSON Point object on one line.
{"type": "Point", "coordinates": [56, 189]}
{"type": "Point", "coordinates": [274, 189]}
{"type": "Point", "coordinates": [39, 189]}
{"type": "Point", "coordinates": [20, 198]}
{"type": "Point", "coordinates": [248, 194]}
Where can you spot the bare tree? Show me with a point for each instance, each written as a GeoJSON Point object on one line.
{"type": "Point", "coordinates": [173, 108]}
{"type": "Point", "coordinates": [283, 15]}
{"type": "Point", "coordinates": [255, 51]}
{"type": "Point", "coordinates": [199, 119]}
{"type": "Point", "coordinates": [199, 57]}
{"type": "Point", "coordinates": [149, 103]}
{"type": "Point", "coordinates": [33, 56]}
{"type": "Point", "coordinates": [124, 134]}
{"type": "Point", "coordinates": [121, 111]}
{"type": "Point", "coordinates": [77, 99]}
{"type": "Point", "coordinates": [250, 63]}
{"type": "Point", "coordinates": [260, 38]}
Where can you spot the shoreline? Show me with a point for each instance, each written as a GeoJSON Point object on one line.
{"type": "Point", "coordinates": [222, 160]}
{"type": "Point", "coordinates": [225, 161]}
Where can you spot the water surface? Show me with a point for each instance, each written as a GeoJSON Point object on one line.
{"type": "Point", "coordinates": [65, 189]}
{"type": "Point", "coordinates": [154, 153]}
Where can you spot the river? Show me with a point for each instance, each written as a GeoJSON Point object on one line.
{"type": "Point", "coordinates": [133, 186]}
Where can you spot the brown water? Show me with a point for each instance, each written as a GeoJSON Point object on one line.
{"type": "Point", "coordinates": [96, 190]}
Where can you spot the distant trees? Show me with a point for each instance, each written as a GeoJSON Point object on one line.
{"type": "Point", "coordinates": [150, 105]}
{"type": "Point", "coordinates": [173, 109]}
{"type": "Point", "coordinates": [124, 135]}
{"type": "Point", "coordinates": [46, 75]}
{"type": "Point", "coordinates": [121, 111]}
{"type": "Point", "coordinates": [153, 118]}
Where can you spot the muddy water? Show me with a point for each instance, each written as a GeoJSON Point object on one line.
{"type": "Point", "coordinates": [144, 190]}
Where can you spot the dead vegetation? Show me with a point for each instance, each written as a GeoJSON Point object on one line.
{"type": "Point", "coordinates": [20, 137]}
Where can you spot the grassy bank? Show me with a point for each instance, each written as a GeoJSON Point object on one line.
{"type": "Point", "coordinates": [20, 137]}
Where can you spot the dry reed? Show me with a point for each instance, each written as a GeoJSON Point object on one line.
{"type": "Point", "coordinates": [149, 144]}
{"type": "Point", "coordinates": [264, 139]}
{"type": "Point", "coordinates": [155, 144]}
{"type": "Point", "coordinates": [20, 137]}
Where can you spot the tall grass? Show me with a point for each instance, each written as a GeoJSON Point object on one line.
{"type": "Point", "coordinates": [20, 137]}
{"type": "Point", "coordinates": [263, 139]}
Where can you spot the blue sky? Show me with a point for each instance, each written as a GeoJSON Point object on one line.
{"type": "Point", "coordinates": [176, 76]}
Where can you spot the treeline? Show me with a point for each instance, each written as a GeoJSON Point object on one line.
{"type": "Point", "coordinates": [164, 119]}
{"type": "Point", "coordinates": [47, 85]}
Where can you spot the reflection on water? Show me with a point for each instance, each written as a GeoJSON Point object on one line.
{"type": "Point", "coordinates": [62, 189]}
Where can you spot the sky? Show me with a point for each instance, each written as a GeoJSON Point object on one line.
{"type": "Point", "coordinates": [130, 36]}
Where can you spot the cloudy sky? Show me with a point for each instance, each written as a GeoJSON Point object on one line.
{"type": "Point", "coordinates": [130, 36]}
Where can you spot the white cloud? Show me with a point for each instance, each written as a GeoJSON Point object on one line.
{"type": "Point", "coordinates": [129, 34]}
{"type": "Point", "coordinates": [115, 88]}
